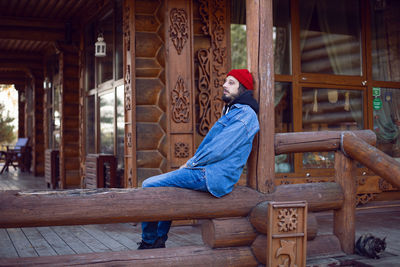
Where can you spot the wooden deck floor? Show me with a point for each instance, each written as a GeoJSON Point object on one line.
{"type": "Point", "coordinates": [65, 240]}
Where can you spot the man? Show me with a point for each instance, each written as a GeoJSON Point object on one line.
{"type": "Point", "coordinates": [218, 162]}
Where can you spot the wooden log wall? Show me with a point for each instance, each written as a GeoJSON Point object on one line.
{"type": "Point", "coordinates": [148, 66]}
{"type": "Point", "coordinates": [69, 111]}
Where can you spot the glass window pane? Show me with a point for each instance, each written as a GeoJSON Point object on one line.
{"type": "Point", "coordinates": [105, 64]}
{"type": "Point", "coordinates": [90, 125]}
{"type": "Point", "coordinates": [330, 109]}
{"type": "Point", "coordinates": [387, 120]}
{"type": "Point", "coordinates": [107, 110]}
{"type": "Point", "coordinates": [283, 123]}
{"type": "Point", "coordinates": [330, 39]}
{"type": "Point", "coordinates": [120, 126]}
{"type": "Point", "coordinates": [281, 36]}
{"type": "Point", "coordinates": [385, 41]}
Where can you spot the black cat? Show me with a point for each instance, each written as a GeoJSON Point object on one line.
{"type": "Point", "coordinates": [370, 246]}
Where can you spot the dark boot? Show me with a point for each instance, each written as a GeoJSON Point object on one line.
{"type": "Point", "coordinates": [159, 243]}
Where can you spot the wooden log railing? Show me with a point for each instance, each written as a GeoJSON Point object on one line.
{"type": "Point", "coordinates": [232, 231]}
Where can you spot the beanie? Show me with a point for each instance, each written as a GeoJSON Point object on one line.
{"type": "Point", "coordinates": [243, 76]}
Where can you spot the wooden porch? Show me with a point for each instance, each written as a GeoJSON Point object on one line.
{"type": "Point", "coordinates": [379, 218]}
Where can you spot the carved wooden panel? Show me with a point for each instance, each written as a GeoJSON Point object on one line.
{"type": "Point", "coordinates": [182, 149]}
{"type": "Point", "coordinates": [178, 28]}
{"type": "Point", "coordinates": [213, 61]}
{"type": "Point", "coordinates": [180, 82]}
{"type": "Point", "coordinates": [287, 233]}
{"type": "Point", "coordinates": [128, 26]}
{"type": "Point", "coordinates": [180, 100]}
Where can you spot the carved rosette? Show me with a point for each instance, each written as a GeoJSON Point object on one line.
{"type": "Point", "coordinates": [178, 29]}
{"type": "Point", "coordinates": [287, 220]}
{"type": "Point", "coordinates": [204, 94]}
{"type": "Point", "coordinates": [180, 97]}
{"type": "Point", "coordinates": [181, 150]}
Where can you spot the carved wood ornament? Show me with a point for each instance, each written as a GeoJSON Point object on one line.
{"type": "Point", "coordinates": [181, 150]}
{"type": "Point", "coordinates": [212, 62]}
{"type": "Point", "coordinates": [180, 102]}
{"type": "Point", "coordinates": [287, 220]}
{"type": "Point", "coordinates": [205, 91]}
{"type": "Point", "coordinates": [179, 28]}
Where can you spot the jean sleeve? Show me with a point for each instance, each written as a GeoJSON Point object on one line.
{"type": "Point", "coordinates": [231, 137]}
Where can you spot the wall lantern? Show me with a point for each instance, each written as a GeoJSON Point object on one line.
{"type": "Point", "coordinates": [100, 46]}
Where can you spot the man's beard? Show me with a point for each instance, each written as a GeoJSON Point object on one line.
{"type": "Point", "coordinates": [227, 99]}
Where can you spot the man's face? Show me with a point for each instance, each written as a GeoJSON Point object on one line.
{"type": "Point", "coordinates": [231, 89]}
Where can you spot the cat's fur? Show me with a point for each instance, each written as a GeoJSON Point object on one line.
{"type": "Point", "coordinates": [370, 246]}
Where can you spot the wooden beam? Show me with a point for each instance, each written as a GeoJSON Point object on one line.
{"type": "Point", "coordinates": [35, 34]}
{"type": "Point", "coordinates": [344, 226]}
{"type": "Point", "coordinates": [315, 141]}
{"type": "Point", "coordinates": [20, 209]}
{"type": "Point", "coordinates": [252, 30]}
{"type": "Point", "coordinates": [374, 159]}
{"type": "Point", "coordinates": [32, 23]}
{"type": "Point", "coordinates": [179, 256]}
{"type": "Point", "coordinates": [261, 64]}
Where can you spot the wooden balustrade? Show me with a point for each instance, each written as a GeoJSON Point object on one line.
{"type": "Point", "coordinates": [45, 208]}
{"type": "Point", "coordinates": [239, 223]}
{"type": "Point", "coordinates": [377, 161]}
{"type": "Point", "coordinates": [316, 141]}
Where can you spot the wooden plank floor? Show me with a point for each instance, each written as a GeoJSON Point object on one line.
{"type": "Point", "coordinates": [67, 240]}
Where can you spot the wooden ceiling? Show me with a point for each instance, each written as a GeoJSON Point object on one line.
{"type": "Point", "coordinates": [29, 27]}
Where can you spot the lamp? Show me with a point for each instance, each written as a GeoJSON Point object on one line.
{"type": "Point", "coordinates": [100, 46]}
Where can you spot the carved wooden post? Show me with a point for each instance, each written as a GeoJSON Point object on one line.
{"type": "Point", "coordinates": [261, 62]}
{"type": "Point", "coordinates": [179, 81]}
{"type": "Point", "coordinates": [130, 176]}
{"type": "Point", "coordinates": [344, 218]}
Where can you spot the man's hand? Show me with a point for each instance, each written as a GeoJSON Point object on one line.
{"type": "Point", "coordinates": [183, 166]}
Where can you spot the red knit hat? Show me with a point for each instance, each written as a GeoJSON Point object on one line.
{"type": "Point", "coordinates": [243, 76]}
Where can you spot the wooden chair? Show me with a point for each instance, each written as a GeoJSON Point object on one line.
{"type": "Point", "coordinates": [17, 155]}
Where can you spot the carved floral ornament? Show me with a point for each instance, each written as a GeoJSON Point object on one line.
{"type": "Point", "coordinates": [287, 220]}
{"type": "Point", "coordinates": [178, 29]}
{"type": "Point", "coordinates": [181, 150]}
{"type": "Point", "coordinates": [180, 102]}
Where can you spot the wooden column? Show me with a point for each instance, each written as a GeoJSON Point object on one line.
{"type": "Point", "coordinates": [344, 218]}
{"type": "Point", "coordinates": [69, 111]}
{"type": "Point", "coordinates": [261, 61]}
{"type": "Point", "coordinates": [179, 81]}
{"type": "Point", "coordinates": [130, 175]}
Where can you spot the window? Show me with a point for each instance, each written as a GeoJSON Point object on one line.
{"type": "Point", "coordinates": [104, 86]}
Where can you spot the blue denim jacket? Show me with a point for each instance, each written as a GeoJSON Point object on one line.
{"type": "Point", "coordinates": [225, 149]}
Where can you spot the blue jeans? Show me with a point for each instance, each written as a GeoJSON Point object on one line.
{"type": "Point", "coordinates": [194, 179]}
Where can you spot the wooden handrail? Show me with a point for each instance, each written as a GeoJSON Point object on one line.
{"type": "Point", "coordinates": [374, 159]}
{"type": "Point", "coordinates": [82, 206]}
{"type": "Point", "coordinates": [315, 141]}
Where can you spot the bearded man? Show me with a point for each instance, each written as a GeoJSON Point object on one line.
{"type": "Point", "coordinates": [218, 162]}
